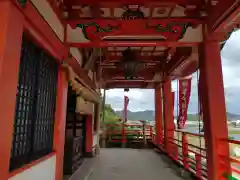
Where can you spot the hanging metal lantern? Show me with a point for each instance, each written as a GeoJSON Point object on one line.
{"type": "Point", "coordinates": [129, 63]}
{"type": "Point", "coordinates": [132, 13]}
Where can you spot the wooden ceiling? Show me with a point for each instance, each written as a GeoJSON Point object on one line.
{"type": "Point", "coordinates": [150, 8]}
{"type": "Point", "coordinates": [154, 62]}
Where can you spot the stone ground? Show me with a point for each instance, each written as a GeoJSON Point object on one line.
{"type": "Point", "coordinates": [132, 164]}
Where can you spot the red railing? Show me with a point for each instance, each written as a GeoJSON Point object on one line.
{"type": "Point", "coordinates": [188, 149]}
{"type": "Point", "coordinates": [193, 157]}
{"type": "Point", "coordinates": [190, 156]}
{"type": "Point", "coordinates": [235, 162]}
{"type": "Point", "coordinates": [125, 130]}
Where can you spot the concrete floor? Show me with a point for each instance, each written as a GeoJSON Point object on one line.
{"type": "Point", "coordinates": [132, 164]}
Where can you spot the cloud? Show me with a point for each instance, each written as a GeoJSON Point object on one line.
{"type": "Point", "coordinates": [144, 99]}
{"type": "Point", "coordinates": [140, 99]}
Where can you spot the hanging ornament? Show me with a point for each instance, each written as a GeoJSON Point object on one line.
{"type": "Point", "coordinates": [132, 13]}
{"type": "Point", "coordinates": [22, 3]}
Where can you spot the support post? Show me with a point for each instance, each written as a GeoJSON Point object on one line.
{"type": "Point", "coordinates": [144, 134]}
{"type": "Point", "coordinates": [214, 110]}
{"type": "Point", "coordinates": [150, 131]}
{"type": "Point", "coordinates": [123, 135]}
{"type": "Point", "coordinates": [60, 122]}
{"type": "Point", "coordinates": [185, 151]}
{"type": "Point", "coordinates": [198, 159]}
{"type": "Point", "coordinates": [104, 127]}
{"type": "Point", "coordinates": [158, 116]}
{"type": "Point", "coordinates": [89, 136]}
{"type": "Point", "coordinates": [168, 116]}
{"type": "Point", "coordinates": [98, 109]}
{"type": "Point", "coordinates": [10, 51]}
{"type": "Point", "coordinates": [175, 146]}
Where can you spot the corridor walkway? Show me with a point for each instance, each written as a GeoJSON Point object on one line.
{"type": "Point", "coordinates": [132, 164]}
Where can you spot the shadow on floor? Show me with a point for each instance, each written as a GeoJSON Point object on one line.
{"type": "Point", "coordinates": [175, 168]}
{"type": "Point", "coordinates": [84, 171]}
{"type": "Point", "coordinates": [133, 164]}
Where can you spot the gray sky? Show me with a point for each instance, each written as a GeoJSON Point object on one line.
{"type": "Point", "coordinates": [141, 100]}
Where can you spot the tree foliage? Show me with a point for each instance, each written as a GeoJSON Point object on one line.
{"type": "Point", "coordinates": [109, 115]}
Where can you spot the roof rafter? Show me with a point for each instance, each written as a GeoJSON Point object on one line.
{"type": "Point", "coordinates": [179, 56]}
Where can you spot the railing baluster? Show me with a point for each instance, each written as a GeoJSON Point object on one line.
{"type": "Point", "coordinates": [198, 159]}
{"type": "Point", "coordinates": [123, 135]}
{"type": "Point", "coordinates": [151, 133]}
{"type": "Point", "coordinates": [185, 151]}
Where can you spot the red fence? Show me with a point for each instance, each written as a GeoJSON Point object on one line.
{"type": "Point", "coordinates": [193, 157]}
{"type": "Point", "coordinates": [188, 149]}
{"type": "Point", "coordinates": [235, 162]}
{"type": "Point", "coordinates": [128, 132]}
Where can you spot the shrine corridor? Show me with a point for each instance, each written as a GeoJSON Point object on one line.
{"type": "Point", "coordinates": [132, 164]}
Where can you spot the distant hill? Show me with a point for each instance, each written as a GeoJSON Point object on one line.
{"type": "Point", "coordinates": [150, 115]}
{"type": "Point", "coordinates": [233, 116]}
{"type": "Point", "coordinates": [140, 115]}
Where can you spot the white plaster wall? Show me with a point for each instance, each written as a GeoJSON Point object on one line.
{"type": "Point", "coordinates": [193, 35]}
{"type": "Point", "coordinates": [44, 170]}
{"type": "Point", "coordinates": [76, 54]}
{"type": "Point", "coordinates": [178, 11]}
{"type": "Point", "coordinates": [48, 14]}
{"type": "Point", "coordinates": [90, 74]}
{"type": "Point", "coordinates": [95, 139]}
{"type": "Point", "coordinates": [75, 35]}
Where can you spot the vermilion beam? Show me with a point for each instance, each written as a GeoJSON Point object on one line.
{"type": "Point", "coordinates": [220, 12]}
{"type": "Point", "coordinates": [137, 22]}
{"type": "Point", "coordinates": [111, 65]}
{"type": "Point", "coordinates": [179, 56]}
{"type": "Point", "coordinates": [231, 22]}
{"type": "Point", "coordinates": [144, 58]}
{"type": "Point", "coordinates": [116, 3]}
{"type": "Point", "coordinates": [189, 69]}
{"type": "Point", "coordinates": [128, 84]}
{"type": "Point", "coordinates": [138, 50]}
{"type": "Point", "coordinates": [131, 43]}
{"type": "Point", "coordinates": [122, 78]}
{"type": "Point", "coordinates": [146, 74]}
{"type": "Point", "coordinates": [170, 29]}
{"type": "Point", "coordinates": [129, 81]}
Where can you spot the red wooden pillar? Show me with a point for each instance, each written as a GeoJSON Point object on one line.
{"type": "Point", "coordinates": [168, 116]}
{"type": "Point", "coordinates": [214, 110]}
{"type": "Point", "coordinates": [98, 110]}
{"type": "Point", "coordinates": [89, 136]}
{"type": "Point", "coordinates": [158, 116]}
{"type": "Point", "coordinates": [11, 21]}
{"type": "Point", "coordinates": [60, 122]}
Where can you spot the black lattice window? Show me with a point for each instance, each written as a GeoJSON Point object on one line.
{"type": "Point", "coordinates": [35, 105]}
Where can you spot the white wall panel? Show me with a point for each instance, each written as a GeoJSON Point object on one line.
{"type": "Point", "coordinates": [44, 170]}
{"type": "Point", "coordinates": [49, 15]}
